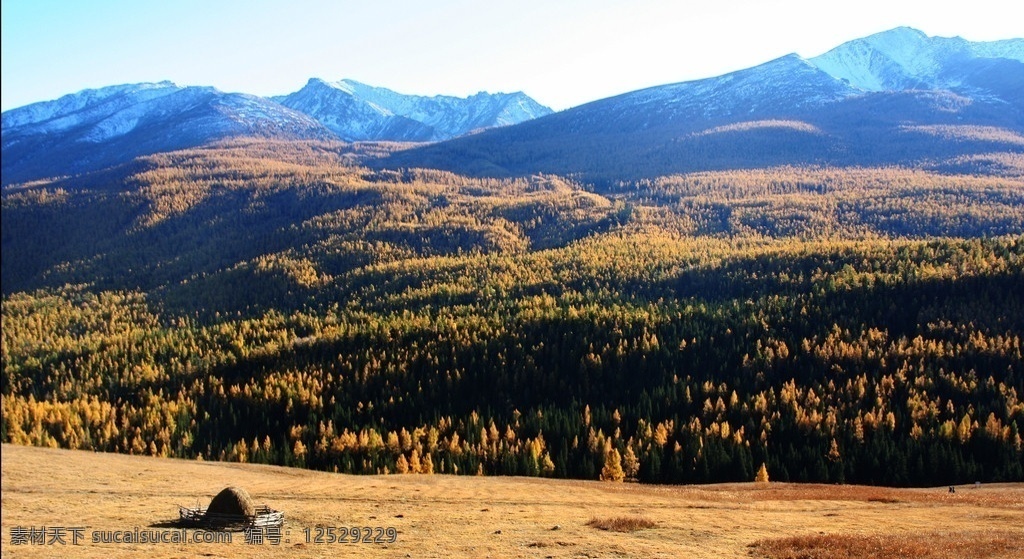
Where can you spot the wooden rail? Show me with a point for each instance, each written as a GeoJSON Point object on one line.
{"type": "Point", "coordinates": [265, 517]}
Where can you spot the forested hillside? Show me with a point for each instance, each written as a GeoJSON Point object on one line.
{"type": "Point", "coordinates": [274, 302]}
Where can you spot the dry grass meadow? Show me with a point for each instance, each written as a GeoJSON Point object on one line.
{"type": "Point", "coordinates": [444, 516]}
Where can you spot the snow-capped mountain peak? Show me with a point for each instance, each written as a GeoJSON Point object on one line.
{"type": "Point", "coordinates": [357, 111]}
{"type": "Point", "coordinates": [873, 101]}
{"type": "Point", "coordinates": [99, 127]}
{"type": "Point", "coordinates": [344, 86]}
{"type": "Point", "coordinates": [905, 58]}
{"type": "Point", "coordinates": [74, 108]}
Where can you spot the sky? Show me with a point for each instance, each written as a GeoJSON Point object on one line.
{"type": "Point", "coordinates": [562, 53]}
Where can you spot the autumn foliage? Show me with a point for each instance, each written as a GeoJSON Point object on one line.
{"type": "Point", "coordinates": [277, 304]}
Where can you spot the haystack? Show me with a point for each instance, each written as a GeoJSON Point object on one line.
{"type": "Point", "coordinates": [232, 501]}
{"type": "Point", "coordinates": [231, 509]}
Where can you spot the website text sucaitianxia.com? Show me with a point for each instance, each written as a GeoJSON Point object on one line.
{"type": "Point", "coordinates": [256, 535]}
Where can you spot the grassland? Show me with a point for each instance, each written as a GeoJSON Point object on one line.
{"type": "Point", "coordinates": [447, 516]}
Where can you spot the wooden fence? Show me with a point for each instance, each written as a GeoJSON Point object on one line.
{"type": "Point", "coordinates": [265, 517]}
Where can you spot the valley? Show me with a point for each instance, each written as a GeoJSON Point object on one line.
{"type": "Point", "coordinates": [811, 267]}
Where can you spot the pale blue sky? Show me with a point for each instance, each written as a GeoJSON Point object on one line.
{"type": "Point", "coordinates": [561, 52]}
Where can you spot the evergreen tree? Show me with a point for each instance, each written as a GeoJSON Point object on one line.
{"type": "Point", "coordinates": [762, 474]}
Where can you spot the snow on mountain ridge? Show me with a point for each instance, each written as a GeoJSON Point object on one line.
{"type": "Point", "coordinates": [98, 115]}
{"type": "Point", "coordinates": [62, 112]}
{"type": "Point", "coordinates": [912, 71]}
{"type": "Point", "coordinates": [849, 107]}
{"type": "Point", "coordinates": [97, 128]}
{"type": "Point", "coordinates": [1012, 49]}
{"type": "Point", "coordinates": [905, 58]}
{"type": "Point", "coordinates": [357, 111]}
{"type": "Point", "coordinates": [788, 81]}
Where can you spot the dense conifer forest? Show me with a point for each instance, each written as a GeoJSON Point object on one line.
{"type": "Point", "coordinates": [281, 303]}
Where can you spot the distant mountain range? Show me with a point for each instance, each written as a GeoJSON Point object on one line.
{"type": "Point", "coordinates": [94, 129]}
{"type": "Point", "coordinates": [98, 128]}
{"type": "Point", "coordinates": [356, 111]}
{"type": "Point", "coordinates": [898, 97]}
